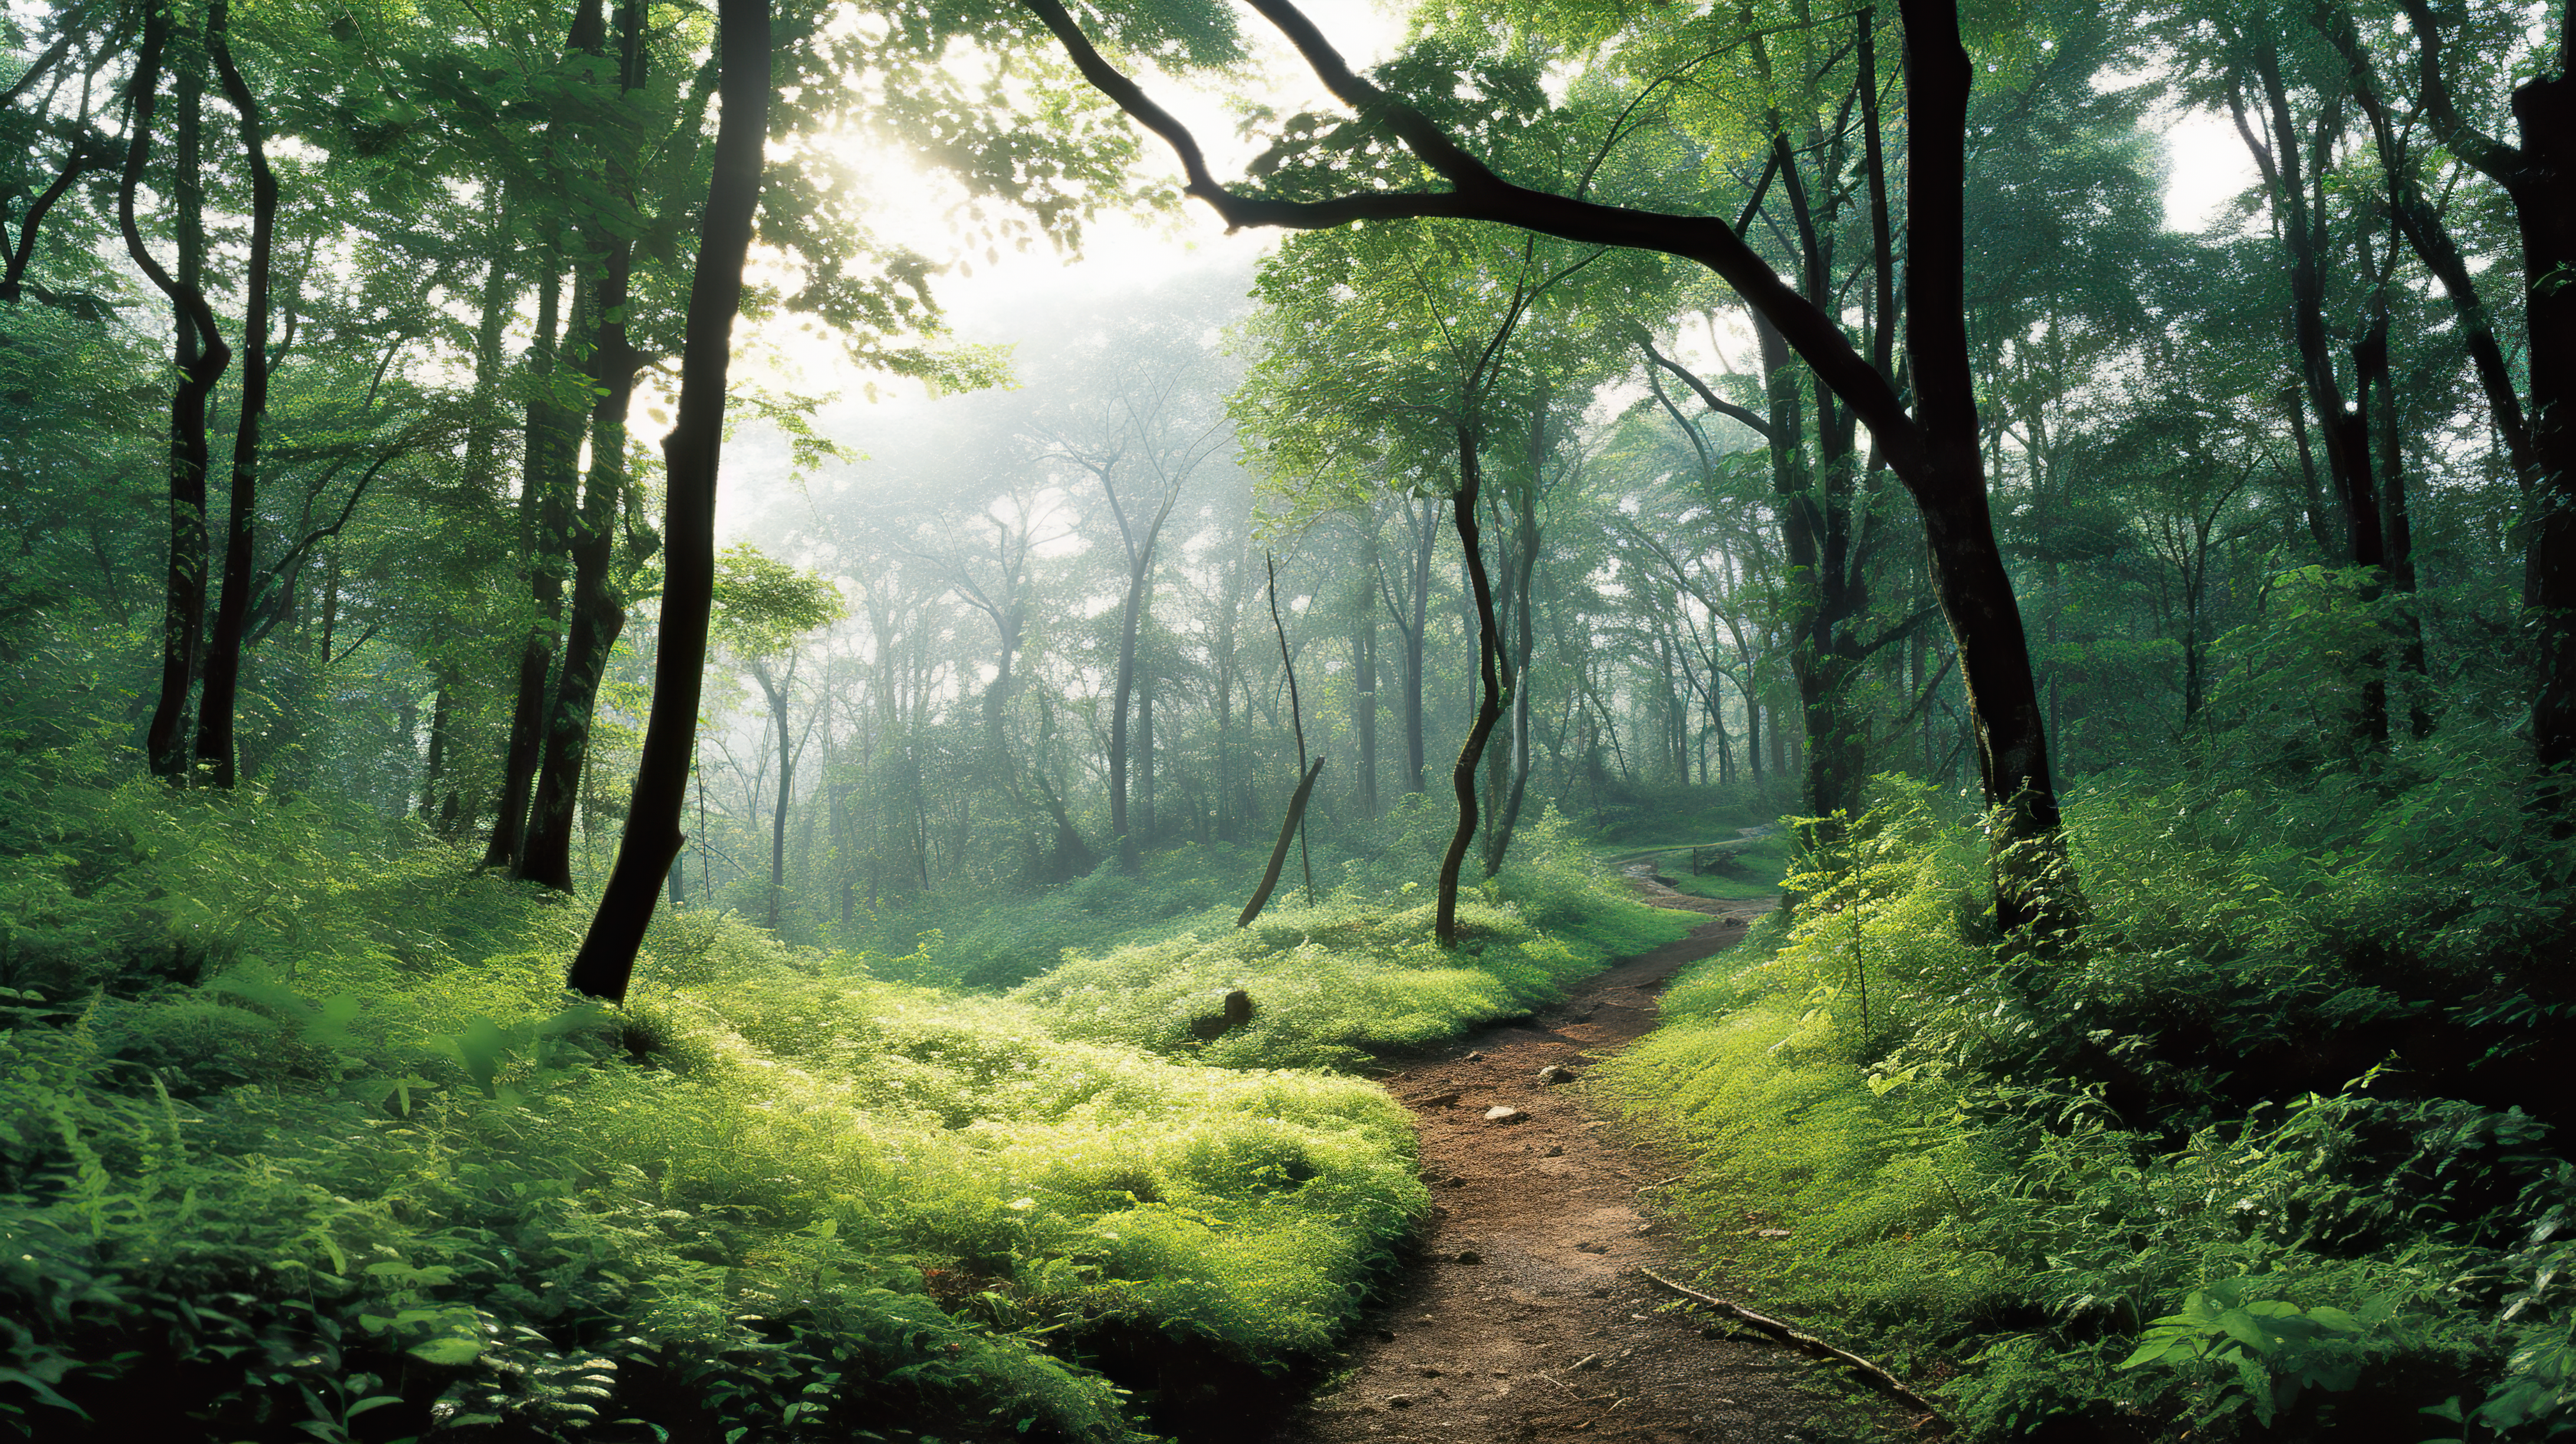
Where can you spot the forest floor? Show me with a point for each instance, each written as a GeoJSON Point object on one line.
{"type": "Point", "coordinates": [1524, 1317]}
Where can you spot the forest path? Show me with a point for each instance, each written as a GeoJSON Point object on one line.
{"type": "Point", "coordinates": [1524, 1317]}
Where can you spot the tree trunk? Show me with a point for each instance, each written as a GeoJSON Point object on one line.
{"type": "Point", "coordinates": [1426, 531]}
{"type": "Point", "coordinates": [652, 836]}
{"type": "Point", "coordinates": [1364, 679]}
{"type": "Point", "coordinates": [200, 355]}
{"type": "Point", "coordinates": [1288, 827]}
{"type": "Point", "coordinates": [1145, 829]}
{"type": "Point", "coordinates": [2346, 428]}
{"type": "Point", "coordinates": [542, 523]}
{"type": "Point", "coordinates": [433, 771]}
{"type": "Point", "coordinates": [2545, 210]}
{"type": "Point", "coordinates": [1494, 685]}
{"type": "Point", "coordinates": [1968, 574]}
{"type": "Point", "coordinates": [1498, 841]}
{"type": "Point", "coordinates": [598, 608]}
{"type": "Point", "coordinates": [216, 703]}
{"type": "Point", "coordinates": [780, 693]}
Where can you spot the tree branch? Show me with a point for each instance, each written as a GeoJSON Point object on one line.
{"type": "Point", "coordinates": [1479, 194]}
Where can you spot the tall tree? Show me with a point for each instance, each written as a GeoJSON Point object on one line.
{"type": "Point", "coordinates": [652, 837]}
{"type": "Point", "coordinates": [1933, 448]}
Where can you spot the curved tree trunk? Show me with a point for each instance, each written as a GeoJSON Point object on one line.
{"type": "Point", "coordinates": [1494, 686]}
{"type": "Point", "coordinates": [201, 355]}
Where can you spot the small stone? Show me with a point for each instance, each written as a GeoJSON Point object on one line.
{"type": "Point", "coordinates": [1475, 1057]}
{"type": "Point", "coordinates": [1504, 1113]}
{"type": "Point", "coordinates": [1467, 1256]}
{"type": "Point", "coordinates": [1556, 1073]}
{"type": "Point", "coordinates": [1430, 1319]}
{"type": "Point", "coordinates": [1399, 1401]}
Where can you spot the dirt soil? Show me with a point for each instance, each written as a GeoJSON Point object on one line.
{"type": "Point", "coordinates": [1524, 1317]}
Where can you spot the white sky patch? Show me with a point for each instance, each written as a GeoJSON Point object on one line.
{"type": "Point", "coordinates": [2210, 168]}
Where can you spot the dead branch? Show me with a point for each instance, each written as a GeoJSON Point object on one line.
{"type": "Point", "coordinates": [1877, 1377]}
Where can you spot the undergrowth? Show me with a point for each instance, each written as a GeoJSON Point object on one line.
{"type": "Point", "coordinates": [1359, 972]}
{"type": "Point", "coordinates": [2266, 1148]}
{"type": "Point", "coordinates": [299, 1137]}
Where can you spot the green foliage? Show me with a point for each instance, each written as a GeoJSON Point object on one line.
{"type": "Point", "coordinates": [763, 604]}
{"type": "Point", "coordinates": [363, 1172]}
{"type": "Point", "coordinates": [1361, 971]}
{"type": "Point", "coordinates": [2238, 1155]}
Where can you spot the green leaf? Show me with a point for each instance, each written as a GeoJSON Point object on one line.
{"type": "Point", "coordinates": [43, 1391]}
{"type": "Point", "coordinates": [452, 1350]}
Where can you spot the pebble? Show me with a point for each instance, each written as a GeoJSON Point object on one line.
{"type": "Point", "coordinates": [1399, 1401]}
{"type": "Point", "coordinates": [1557, 1073]}
{"type": "Point", "coordinates": [1504, 1113]}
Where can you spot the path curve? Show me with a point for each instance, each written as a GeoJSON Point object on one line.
{"type": "Point", "coordinates": [1524, 1318]}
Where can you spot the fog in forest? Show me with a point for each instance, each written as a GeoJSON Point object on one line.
{"type": "Point", "coordinates": [1252, 725]}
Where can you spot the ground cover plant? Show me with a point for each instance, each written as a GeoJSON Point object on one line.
{"type": "Point", "coordinates": [2262, 1148]}
{"type": "Point", "coordinates": [298, 1121]}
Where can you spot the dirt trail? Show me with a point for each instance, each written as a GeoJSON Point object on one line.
{"type": "Point", "coordinates": [1525, 1318]}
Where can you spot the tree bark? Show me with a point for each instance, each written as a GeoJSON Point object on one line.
{"type": "Point", "coordinates": [1288, 827]}
{"type": "Point", "coordinates": [1494, 685]}
{"type": "Point", "coordinates": [1969, 579]}
{"type": "Point", "coordinates": [692, 452]}
{"type": "Point", "coordinates": [598, 609]}
{"type": "Point", "coordinates": [2346, 428]}
{"type": "Point", "coordinates": [200, 355]}
{"type": "Point", "coordinates": [2545, 210]}
{"type": "Point", "coordinates": [217, 701]}
{"type": "Point", "coordinates": [542, 523]}
{"type": "Point", "coordinates": [779, 691]}
{"type": "Point", "coordinates": [1498, 837]}
{"type": "Point", "coordinates": [1364, 679]}
{"type": "Point", "coordinates": [1131, 614]}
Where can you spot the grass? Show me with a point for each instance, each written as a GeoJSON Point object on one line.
{"type": "Point", "coordinates": [294, 1112]}
{"type": "Point", "coordinates": [2217, 1166]}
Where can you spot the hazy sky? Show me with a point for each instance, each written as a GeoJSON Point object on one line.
{"type": "Point", "coordinates": [1002, 302]}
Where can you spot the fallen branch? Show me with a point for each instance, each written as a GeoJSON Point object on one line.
{"type": "Point", "coordinates": [1877, 1377]}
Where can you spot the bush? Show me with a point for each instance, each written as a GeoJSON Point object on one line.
{"type": "Point", "coordinates": [375, 1174]}
{"type": "Point", "coordinates": [2248, 1154]}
